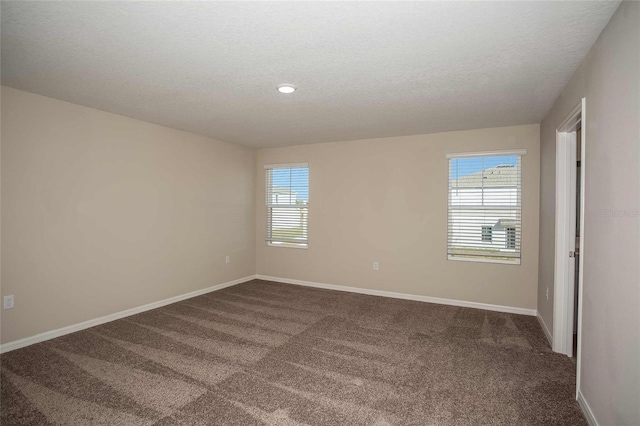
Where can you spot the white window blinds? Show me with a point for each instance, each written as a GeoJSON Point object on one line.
{"type": "Point", "coordinates": [485, 207]}
{"type": "Point", "coordinates": [287, 201]}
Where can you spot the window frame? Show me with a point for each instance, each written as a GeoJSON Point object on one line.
{"type": "Point", "coordinates": [487, 259]}
{"type": "Point", "coordinates": [270, 242]}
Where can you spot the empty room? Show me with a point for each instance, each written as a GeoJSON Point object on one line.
{"type": "Point", "coordinates": [320, 213]}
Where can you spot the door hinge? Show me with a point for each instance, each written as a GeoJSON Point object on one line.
{"type": "Point", "coordinates": [572, 254]}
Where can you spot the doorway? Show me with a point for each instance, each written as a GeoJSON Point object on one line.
{"type": "Point", "coordinates": [568, 274]}
{"type": "Point", "coordinates": [576, 246]}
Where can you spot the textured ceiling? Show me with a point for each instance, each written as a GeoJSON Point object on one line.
{"type": "Point", "coordinates": [363, 69]}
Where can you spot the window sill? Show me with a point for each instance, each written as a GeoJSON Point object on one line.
{"type": "Point", "coordinates": [483, 260]}
{"type": "Point", "coordinates": [285, 245]}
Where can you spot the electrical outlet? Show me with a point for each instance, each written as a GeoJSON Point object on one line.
{"type": "Point", "coordinates": [547, 293]}
{"type": "Point", "coordinates": [8, 301]}
{"type": "Point", "coordinates": [376, 266]}
{"type": "Point", "coordinates": [227, 260]}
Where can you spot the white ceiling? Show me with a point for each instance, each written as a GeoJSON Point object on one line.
{"type": "Point", "coordinates": [363, 70]}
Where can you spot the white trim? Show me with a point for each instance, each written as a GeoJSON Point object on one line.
{"type": "Point", "coordinates": [586, 410]}
{"type": "Point", "coordinates": [480, 259]}
{"type": "Point", "coordinates": [544, 327]}
{"type": "Point", "coordinates": [405, 296]}
{"type": "Point", "coordinates": [572, 119]}
{"type": "Point", "coordinates": [583, 156]}
{"type": "Point", "coordinates": [52, 334]}
{"type": "Point", "coordinates": [484, 153]}
{"type": "Point", "coordinates": [564, 266]}
{"type": "Point", "coordinates": [286, 166]}
{"type": "Point", "coordinates": [299, 246]}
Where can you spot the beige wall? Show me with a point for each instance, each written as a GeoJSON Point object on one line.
{"type": "Point", "coordinates": [102, 213]}
{"type": "Point", "coordinates": [385, 200]}
{"type": "Point", "coordinates": [609, 78]}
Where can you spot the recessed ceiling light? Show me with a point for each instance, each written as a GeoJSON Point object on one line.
{"type": "Point", "coordinates": [286, 88]}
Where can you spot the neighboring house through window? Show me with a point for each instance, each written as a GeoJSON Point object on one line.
{"type": "Point", "coordinates": [510, 242]}
{"type": "Point", "coordinates": [287, 202]}
{"type": "Point", "coordinates": [485, 206]}
{"type": "Point", "coordinates": [486, 233]}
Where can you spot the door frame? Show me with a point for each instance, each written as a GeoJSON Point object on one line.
{"type": "Point", "coordinates": [564, 267]}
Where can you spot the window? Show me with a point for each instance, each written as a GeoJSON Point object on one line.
{"type": "Point", "coordinates": [287, 201]}
{"type": "Point", "coordinates": [485, 207]}
{"type": "Point", "coordinates": [486, 233]}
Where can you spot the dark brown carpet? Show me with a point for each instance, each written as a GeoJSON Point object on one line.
{"type": "Point", "coordinates": [278, 354]}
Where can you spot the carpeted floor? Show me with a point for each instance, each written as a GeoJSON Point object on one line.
{"type": "Point", "coordinates": [278, 354]}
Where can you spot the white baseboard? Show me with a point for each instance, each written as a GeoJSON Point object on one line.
{"type": "Point", "coordinates": [452, 302]}
{"type": "Point", "coordinates": [545, 329]}
{"type": "Point", "coordinates": [21, 343]}
{"type": "Point", "coordinates": [586, 410]}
